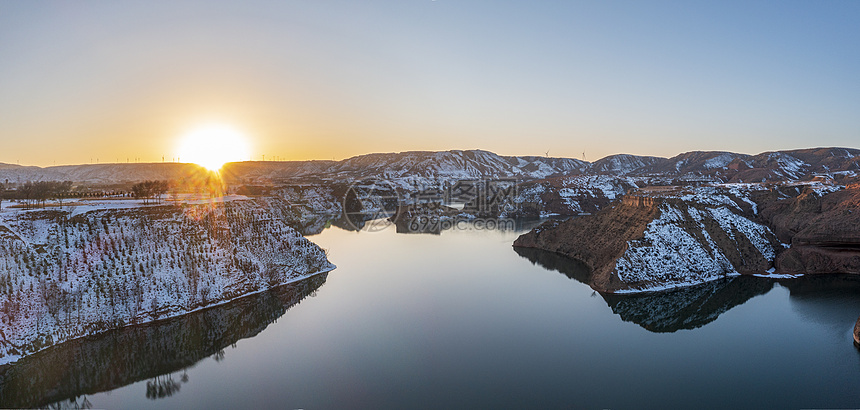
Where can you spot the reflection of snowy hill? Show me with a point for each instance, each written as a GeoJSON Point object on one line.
{"type": "Point", "coordinates": [688, 307]}
{"type": "Point", "coordinates": [135, 353]}
{"type": "Point", "coordinates": [670, 311]}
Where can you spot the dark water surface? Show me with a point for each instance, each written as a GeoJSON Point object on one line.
{"type": "Point", "coordinates": [460, 320]}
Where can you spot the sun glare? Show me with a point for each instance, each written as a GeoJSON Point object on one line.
{"type": "Point", "coordinates": [212, 146]}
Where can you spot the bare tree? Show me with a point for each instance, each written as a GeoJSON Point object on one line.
{"type": "Point", "coordinates": [150, 189]}
{"type": "Point", "coordinates": [42, 191]}
{"type": "Point", "coordinates": [139, 191]}
{"type": "Point", "coordinates": [61, 190]}
{"type": "Point", "coordinates": [25, 192]}
{"type": "Point", "coordinates": [161, 188]}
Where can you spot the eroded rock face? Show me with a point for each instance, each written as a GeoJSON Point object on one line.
{"type": "Point", "coordinates": [823, 229]}
{"type": "Point", "coordinates": [857, 332]}
{"type": "Point", "coordinates": [818, 260]}
{"type": "Point", "coordinates": [597, 240]}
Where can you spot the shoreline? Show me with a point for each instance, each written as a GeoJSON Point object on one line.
{"type": "Point", "coordinates": [676, 286]}
{"type": "Point", "coordinates": [12, 359]}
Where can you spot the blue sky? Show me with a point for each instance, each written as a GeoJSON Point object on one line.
{"type": "Point", "coordinates": [332, 79]}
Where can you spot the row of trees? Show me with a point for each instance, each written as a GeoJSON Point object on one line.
{"type": "Point", "coordinates": [150, 190]}
{"type": "Point", "coordinates": [39, 192]}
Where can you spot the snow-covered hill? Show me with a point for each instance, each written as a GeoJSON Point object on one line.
{"type": "Point", "coordinates": [128, 173]}
{"type": "Point", "coordinates": [65, 274]}
{"type": "Point", "coordinates": [621, 164]}
{"type": "Point", "coordinates": [694, 242]}
{"type": "Point", "coordinates": [412, 168]}
{"type": "Point", "coordinates": [101, 174]}
{"type": "Point", "coordinates": [10, 173]}
{"type": "Point", "coordinates": [406, 167]}
{"type": "Point", "coordinates": [665, 239]}
{"type": "Point", "coordinates": [694, 163]}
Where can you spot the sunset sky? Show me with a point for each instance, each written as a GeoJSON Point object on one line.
{"type": "Point", "coordinates": [115, 81]}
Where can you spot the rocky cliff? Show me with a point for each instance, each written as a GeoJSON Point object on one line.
{"type": "Point", "coordinates": [823, 228]}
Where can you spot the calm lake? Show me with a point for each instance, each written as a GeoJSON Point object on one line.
{"type": "Point", "coordinates": [463, 320]}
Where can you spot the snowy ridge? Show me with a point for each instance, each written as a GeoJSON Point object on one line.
{"type": "Point", "coordinates": [609, 187]}
{"type": "Point", "coordinates": [571, 195]}
{"type": "Point", "coordinates": [788, 166]}
{"type": "Point", "coordinates": [720, 161]}
{"type": "Point", "coordinates": [757, 234]}
{"type": "Point", "coordinates": [621, 164]}
{"type": "Point", "coordinates": [64, 277]}
{"type": "Point", "coordinates": [669, 257]}
{"type": "Point", "coordinates": [453, 165]}
{"type": "Point", "coordinates": [441, 166]}
{"type": "Point", "coordinates": [308, 209]}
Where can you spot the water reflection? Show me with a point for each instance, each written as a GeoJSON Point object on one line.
{"type": "Point", "coordinates": [403, 222]}
{"type": "Point", "coordinates": [153, 352]}
{"type": "Point", "coordinates": [689, 307]}
{"type": "Point", "coordinates": [831, 300]}
{"type": "Point", "coordinates": [684, 308]}
{"type": "Point", "coordinates": [164, 385]}
{"type": "Point", "coordinates": [571, 268]}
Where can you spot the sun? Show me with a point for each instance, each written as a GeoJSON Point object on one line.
{"type": "Point", "coordinates": [212, 146]}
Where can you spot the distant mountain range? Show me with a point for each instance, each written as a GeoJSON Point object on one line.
{"type": "Point", "coordinates": [473, 164]}
{"type": "Point", "coordinates": [101, 174]}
